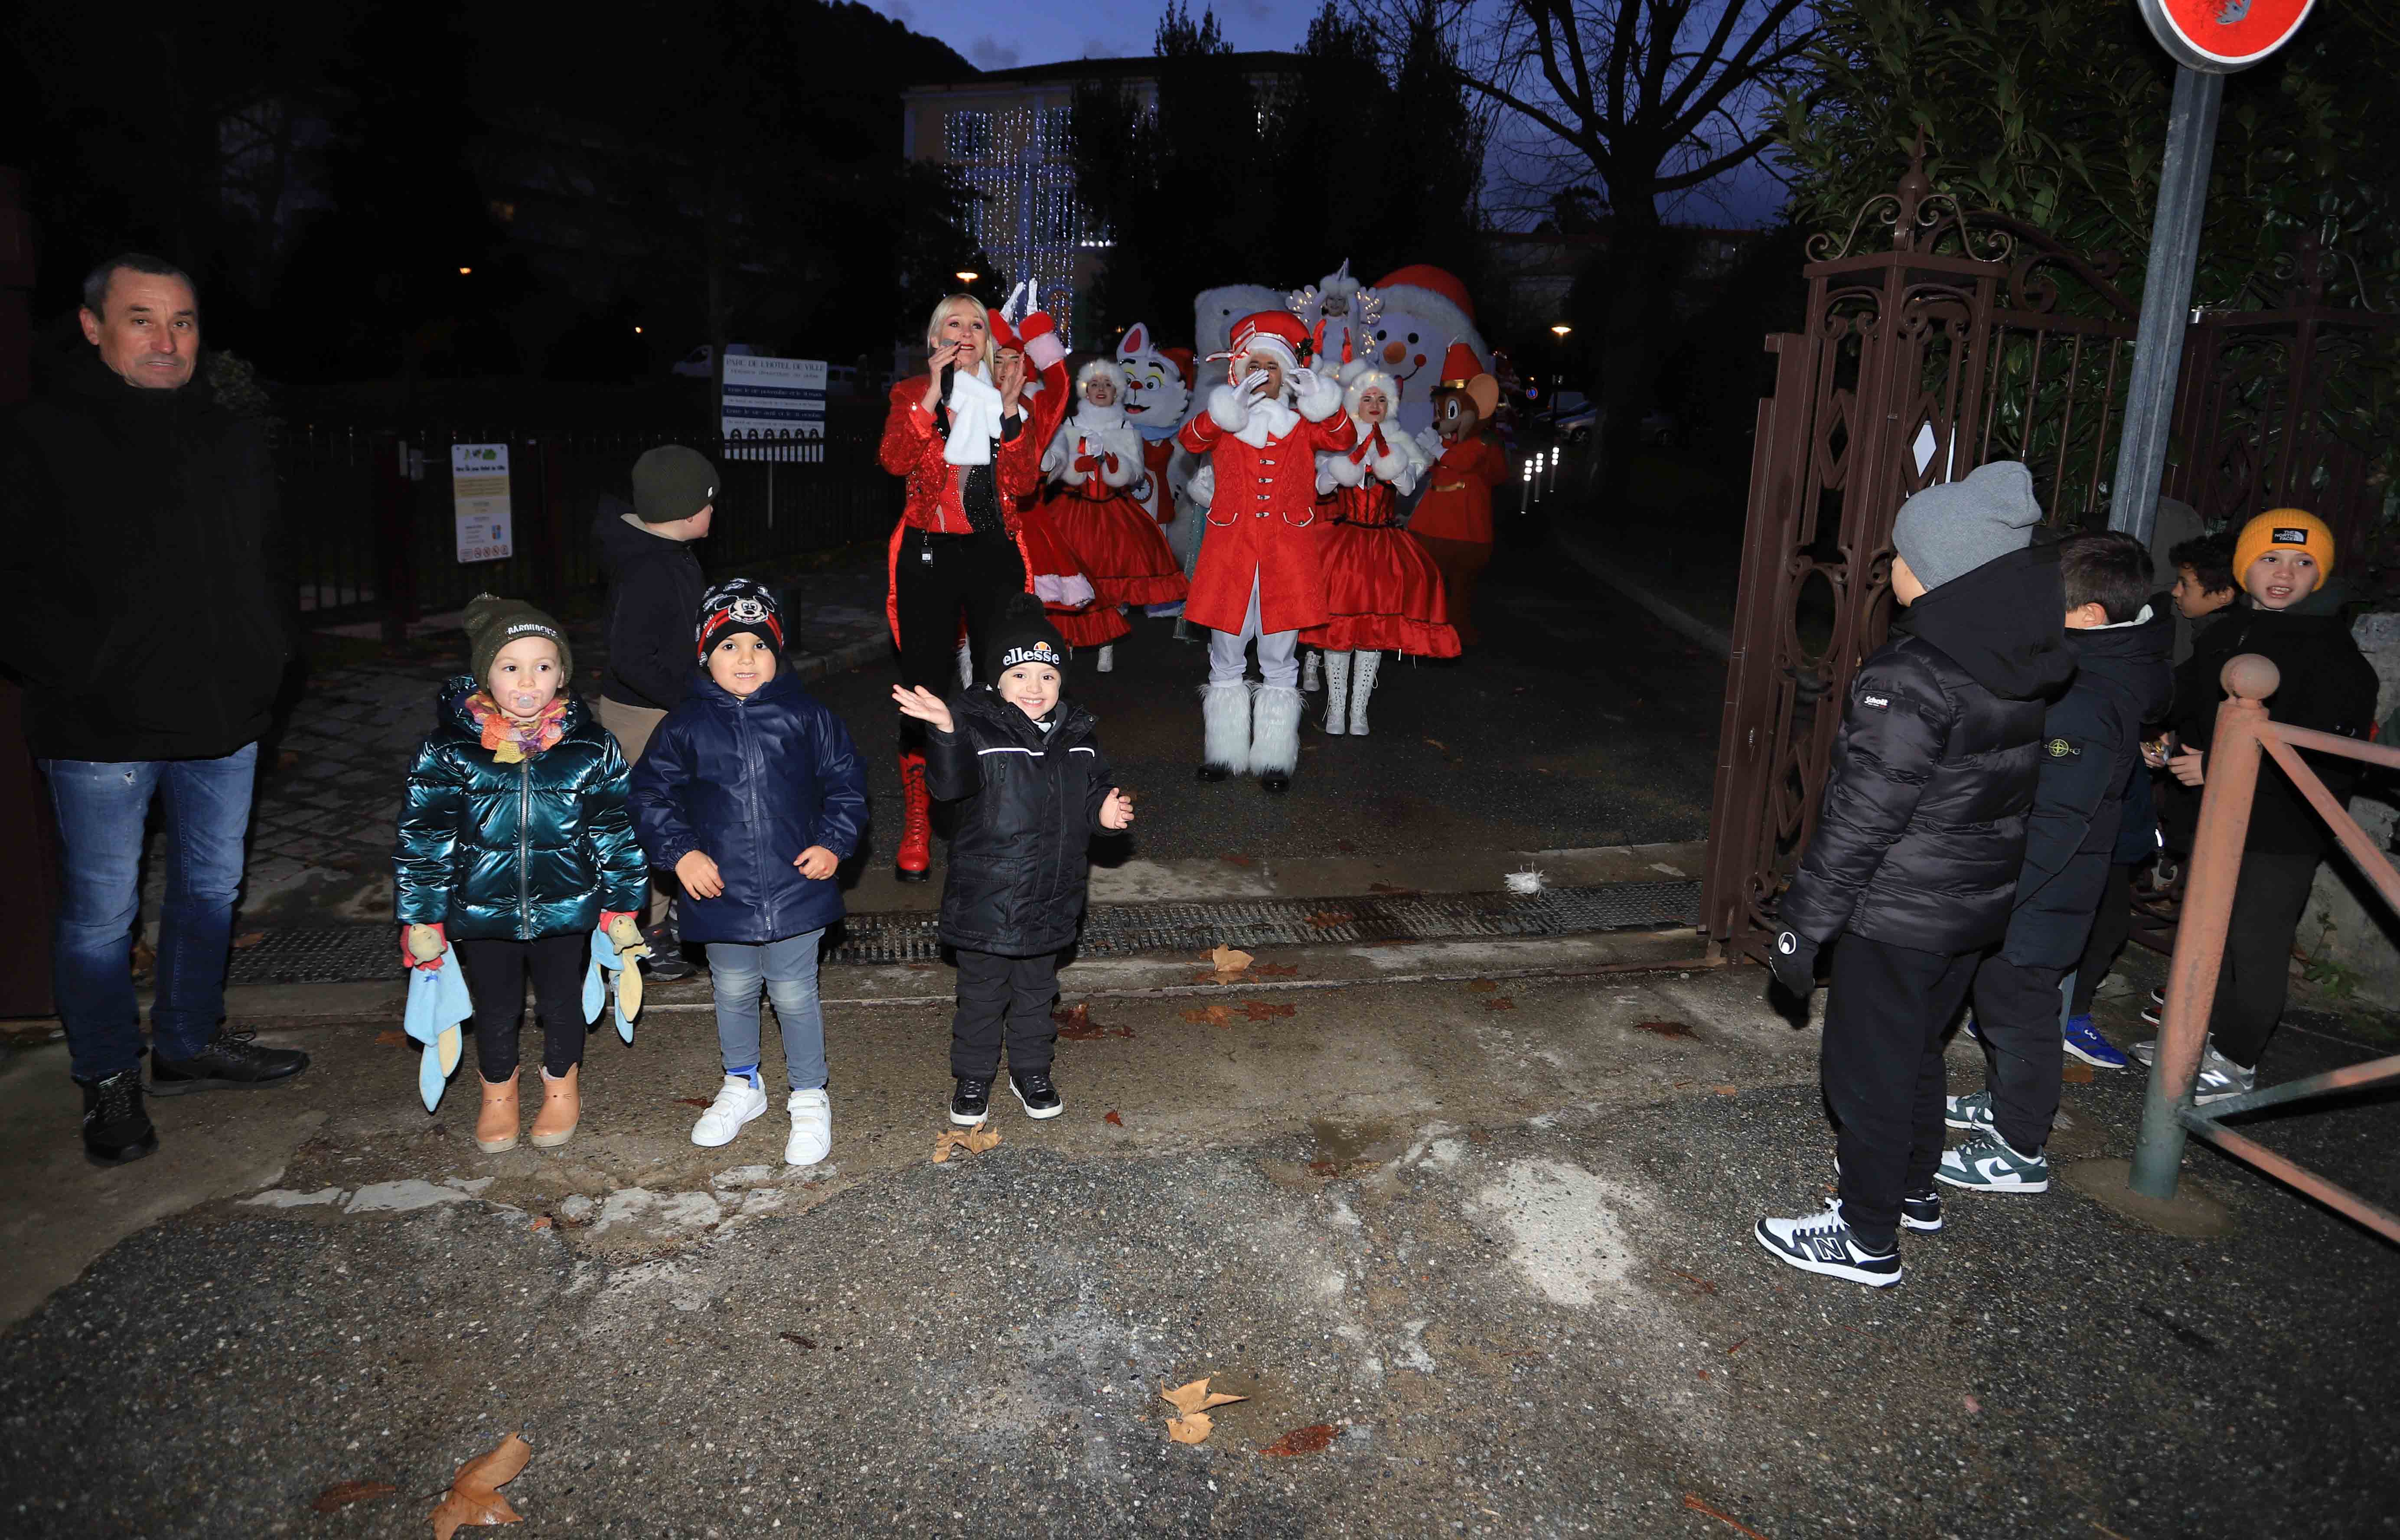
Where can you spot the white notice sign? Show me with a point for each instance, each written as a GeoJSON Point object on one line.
{"type": "Point", "coordinates": [479, 483]}
{"type": "Point", "coordinates": [773, 399]}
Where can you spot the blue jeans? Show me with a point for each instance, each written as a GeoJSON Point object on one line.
{"type": "Point", "coordinates": [788, 969]}
{"type": "Point", "coordinates": [101, 806]}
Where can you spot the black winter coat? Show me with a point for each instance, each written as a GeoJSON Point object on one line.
{"type": "Point", "coordinates": [654, 589]}
{"type": "Point", "coordinates": [1922, 826]}
{"type": "Point", "coordinates": [2327, 685]}
{"type": "Point", "coordinates": [2092, 747]}
{"type": "Point", "coordinates": [752, 782]}
{"type": "Point", "coordinates": [1017, 870]}
{"type": "Point", "coordinates": [148, 607]}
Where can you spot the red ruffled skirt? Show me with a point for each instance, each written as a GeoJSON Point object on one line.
{"type": "Point", "coordinates": [1383, 594]}
{"type": "Point", "coordinates": [1055, 576]}
{"type": "Point", "coordinates": [1122, 549]}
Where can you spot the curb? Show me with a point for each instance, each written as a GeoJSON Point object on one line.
{"type": "Point", "coordinates": [1675, 618]}
{"type": "Point", "coordinates": [816, 665]}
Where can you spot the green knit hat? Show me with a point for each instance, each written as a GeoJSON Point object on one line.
{"type": "Point", "coordinates": [493, 622]}
{"type": "Point", "coordinates": [671, 482]}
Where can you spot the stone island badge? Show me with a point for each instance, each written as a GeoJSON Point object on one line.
{"type": "Point", "coordinates": [2061, 749]}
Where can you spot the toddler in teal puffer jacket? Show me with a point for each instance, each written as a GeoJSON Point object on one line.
{"type": "Point", "coordinates": [515, 843]}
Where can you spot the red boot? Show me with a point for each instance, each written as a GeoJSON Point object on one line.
{"type": "Point", "coordinates": [915, 853]}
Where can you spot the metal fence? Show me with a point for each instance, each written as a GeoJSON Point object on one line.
{"type": "Point", "coordinates": [372, 521]}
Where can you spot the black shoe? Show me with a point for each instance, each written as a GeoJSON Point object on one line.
{"type": "Point", "coordinates": [971, 1103]}
{"type": "Point", "coordinates": [1275, 782]}
{"type": "Point", "coordinates": [1215, 772]}
{"type": "Point", "coordinates": [233, 1061]}
{"type": "Point", "coordinates": [115, 1129]}
{"type": "Point", "coordinates": [1921, 1211]}
{"type": "Point", "coordinates": [1033, 1088]}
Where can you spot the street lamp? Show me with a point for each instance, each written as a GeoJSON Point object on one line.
{"type": "Point", "coordinates": [1561, 331]}
{"type": "Point", "coordinates": [464, 271]}
{"type": "Point", "coordinates": [1558, 375]}
{"type": "Point", "coordinates": [965, 277]}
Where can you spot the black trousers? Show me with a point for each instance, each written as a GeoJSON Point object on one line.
{"type": "Point", "coordinates": [996, 992]}
{"type": "Point", "coordinates": [2016, 1008]}
{"type": "Point", "coordinates": [936, 577]}
{"type": "Point", "coordinates": [2255, 978]}
{"type": "Point", "coordinates": [496, 978]}
{"type": "Point", "coordinates": [2112, 924]}
{"type": "Point", "coordinates": [1881, 1068]}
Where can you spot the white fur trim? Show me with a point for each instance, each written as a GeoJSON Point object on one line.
{"type": "Point", "coordinates": [1334, 471]}
{"type": "Point", "coordinates": [1316, 397]}
{"type": "Point", "coordinates": [1225, 725]}
{"type": "Point", "coordinates": [1071, 592]}
{"type": "Point", "coordinates": [1200, 488]}
{"type": "Point", "coordinates": [1103, 369]}
{"type": "Point", "coordinates": [1357, 377]}
{"type": "Point", "coordinates": [1061, 449]}
{"type": "Point", "coordinates": [1270, 420]}
{"type": "Point", "coordinates": [1046, 352]}
{"type": "Point", "coordinates": [1227, 409]}
{"type": "Point", "coordinates": [1274, 731]}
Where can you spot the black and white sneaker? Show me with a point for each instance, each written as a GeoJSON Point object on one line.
{"type": "Point", "coordinates": [1823, 1242]}
{"type": "Point", "coordinates": [1921, 1211]}
{"type": "Point", "coordinates": [971, 1103]}
{"type": "Point", "coordinates": [1033, 1089]}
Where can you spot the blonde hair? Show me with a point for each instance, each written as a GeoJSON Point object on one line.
{"type": "Point", "coordinates": [954, 303]}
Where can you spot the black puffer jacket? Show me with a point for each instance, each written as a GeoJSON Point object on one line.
{"type": "Point", "coordinates": [1922, 826]}
{"type": "Point", "coordinates": [2327, 685]}
{"type": "Point", "coordinates": [2090, 750]}
{"type": "Point", "coordinates": [654, 589]}
{"type": "Point", "coordinates": [1017, 871]}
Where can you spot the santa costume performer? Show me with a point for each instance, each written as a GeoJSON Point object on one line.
{"type": "Point", "coordinates": [959, 434]}
{"type": "Point", "coordinates": [1096, 466]}
{"type": "Point", "coordinates": [1383, 594]}
{"type": "Point", "coordinates": [1259, 574]}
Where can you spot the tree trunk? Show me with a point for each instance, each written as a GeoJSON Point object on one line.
{"type": "Point", "coordinates": [1627, 355]}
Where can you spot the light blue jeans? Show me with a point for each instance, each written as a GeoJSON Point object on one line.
{"type": "Point", "coordinates": [789, 970]}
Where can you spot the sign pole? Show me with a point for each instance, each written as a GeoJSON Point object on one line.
{"type": "Point", "coordinates": [2166, 300]}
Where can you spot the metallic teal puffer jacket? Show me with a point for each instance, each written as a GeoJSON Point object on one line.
{"type": "Point", "coordinates": [515, 851]}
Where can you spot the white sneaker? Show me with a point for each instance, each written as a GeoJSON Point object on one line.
{"type": "Point", "coordinates": [738, 1101]}
{"type": "Point", "coordinates": [1107, 658]}
{"type": "Point", "coordinates": [811, 1137]}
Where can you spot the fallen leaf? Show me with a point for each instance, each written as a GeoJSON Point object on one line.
{"type": "Point", "coordinates": [390, 1037]}
{"type": "Point", "coordinates": [1726, 1090]}
{"type": "Point", "coordinates": [1275, 970]}
{"type": "Point", "coordinates": [2075, 1072]}
{"type": "Point", "coordinates": [1075, 1024]}
{"type": "Point", "coordinates": [1207, 1016]}
{"type": "Point", "coordinates": [1736, 1347]}
{"type": "Point", "coordinates": [975, 1141]}
{"type": "Point", "coordinates": [695, 1101]}
{"type": "Point", "coordinates": [1260, 1010]}
{"type": "Point", "coordinates": [248, 939]}
{"type": "Point", "coordinates": [1238, 860]}
{"type": "Point", "coordinates": [1197, 1397]}
{"type": "Point", "coordinates": [1692, 1501]}
{"type": "Point", "coordinates": [1440, 744]}
{"type": "Point", "coordinates": [1699, 1285]}
{"type": "Point", "coordinates": [1228, 961]}
{"type": "Point", "coordinates": [1325, 919]}
{"type": "Point", "coordinates": [1481, 986]}
{"type": "Point", "coordinates": [1704, 1374]}
{"type": "Point", "coordinates": [474, 1495]}
{"type": "Point", "coordinates": [1311, 1440]}
{"type": "Point", "coordinates": [542, 1221]}
{"type": "Point", "coordinates": [1191, 1428]}
{"type": "Point", "coordinates": [797, 1340]}
{"type": "Point", "coordinates": [1664, 1028]}
{"type": "Point", "coordinates": [337, 1497]}
{"type": "Point", "coordinates": [1112, 1120]}
{"type": "Point", "coordinates": [1503, 1004]}
{"type": "Point", "coordinates": [1973, 1405]}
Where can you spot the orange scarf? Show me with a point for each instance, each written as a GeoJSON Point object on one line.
{"type": "Point", "coordinates": [511, 742]}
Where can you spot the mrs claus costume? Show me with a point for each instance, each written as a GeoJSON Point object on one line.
{"type": "Point", "coordinates": [1096, 466]}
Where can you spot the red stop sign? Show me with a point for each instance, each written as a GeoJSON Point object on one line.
{"type": "Point", "coordinates": [2221, 36]}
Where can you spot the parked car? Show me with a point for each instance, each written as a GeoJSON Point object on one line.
{"type": "Point", "coordinates": [1658, 426]}
{"type": "Point", "coordinates": [1571, 416]}
{"type": "Point", "coordinates": [700, 363]}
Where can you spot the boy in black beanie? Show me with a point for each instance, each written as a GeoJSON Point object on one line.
{"type": "Point", "coordinates": [1027, 767]}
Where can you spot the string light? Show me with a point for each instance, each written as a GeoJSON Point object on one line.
{"type": "Point", "coordinates": [1028, 216]}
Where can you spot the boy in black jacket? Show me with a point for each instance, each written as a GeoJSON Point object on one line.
{"type": "Point", "coordinates": [1035, 785]}
{"type": "Point", "coordinates": [654, 590]}
{"type": "Point", "coordinates": [2092, 744]}
{"type": "Point", "coordinates": [1913, 866]}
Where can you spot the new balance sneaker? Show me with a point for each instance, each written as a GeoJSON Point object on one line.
{"type": "Point", "coordinates": [2084, 1039]}
{"type": "Point", "coordinates": [971, 1102]}
{"type": "Point", "coordinates": [232, 1061]}
{"type": "Point", "coordinates": [811, 1137]}
{"type": "Point", "coordinates": [1823, 1242]}
{"type": "Point", "coordinates": [1972, 1112]}
{"type": "Point", "coordinates": [1987, 1164]}
{"type": "Point", "coordinates": [1034, 1090]}
{"type": "Point", "coordinates": [739, 1099]}
{"type": "Point", "coordinates": [1921, 1211]}
{"type": "Point", "coordinates": [2220, 1077]}
{"type": "Point", "coordinates": [115, 1129]}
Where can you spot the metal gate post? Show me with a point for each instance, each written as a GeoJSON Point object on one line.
{"type": "Point", "coordinates": [2200, 929]}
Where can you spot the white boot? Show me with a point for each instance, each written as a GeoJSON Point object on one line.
{"type": "Point", "coordinates": [1362, 684]}
{"type": "Point", "coordinates": [1337, 691]}
{"type": "Point", "coordinates": [1107, 658]}
{"type": "Point", "coordinates": [1312, 678]}
{"type": "Point", "coordinates": [811, 1137]}
{"type": "Point", "coordinates": [966, 666]}
{"type": "Point", "coordinates": [1274, 736]}
{"type": "Point", "coordinates": [1226, 728]}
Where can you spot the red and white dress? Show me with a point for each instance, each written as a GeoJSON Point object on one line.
{"type": "Point", "coordinates": [1094, 465]}
{"type": "Point", "coordinates": [1383, 594]}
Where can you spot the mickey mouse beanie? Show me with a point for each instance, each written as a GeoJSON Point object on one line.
{"type": "Point", "coordinates": [1950, 529]}
{"type": "Point", "coordinates": [735, 605]}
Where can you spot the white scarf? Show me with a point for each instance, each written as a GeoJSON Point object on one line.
{"type": "Point", "coordinates": [975, 418]}
{"type": "Point", "coordinates": [1270, 418]}
{"type": "Point", "coordinates": [1091, 421]}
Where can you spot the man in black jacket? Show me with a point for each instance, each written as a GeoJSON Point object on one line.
{"type": "Point", "coordinates": [2089, 751]}
{"type": "Point", "coordinates": [1914, 862]}
{"type": "Point", "coordinates": [150, 624]}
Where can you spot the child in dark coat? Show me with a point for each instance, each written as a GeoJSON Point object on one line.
{"type": "Point", "coordinates": [1034, 785]}
{"type": "Point", "coordinates": [752, 794]}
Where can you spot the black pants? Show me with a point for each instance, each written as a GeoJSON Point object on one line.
{"type": "Point", "coordinates": [496, 975]}
{"type": "Point", "coordinates": [2255, 978]}
{"type": "Point", "coordinates": [2016, 1008]}
{"type": "Point", "coordinates": [996, 991]}
{"type": "Point", "coordinates": [2112, 925]}
{"type": "Point", "coordinates": [1881, 1068]}
{"type": "Point", "coordinates": [936, 577]}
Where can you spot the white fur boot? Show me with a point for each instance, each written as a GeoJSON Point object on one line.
{"type": "Point", "coordinates": [966, 666]}
{"type": "Point", "coordinates": [1275, 737]}
{"type": "Point", "coordinates": [1107, 658]}
{"type": "Point", "coordinates": [1225, 729]}
{"type": "Point", "coordinates": [1362, 684]}
{"type": "Point", "coordinates": [1337, 691]}
{"type": "Point", "coordinates": [1311, 677]}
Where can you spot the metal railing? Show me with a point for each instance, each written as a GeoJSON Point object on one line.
{"type": "Point", "coordinates": [2244, 731]}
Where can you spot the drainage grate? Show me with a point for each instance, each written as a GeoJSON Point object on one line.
{"type": "Point", "coordinates": [339, 953]}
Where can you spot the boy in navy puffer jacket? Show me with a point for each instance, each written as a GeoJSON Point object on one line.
{"type": "Point", "coordinates": [752, 793]}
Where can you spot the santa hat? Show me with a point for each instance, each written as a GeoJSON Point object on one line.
{"type": "Point", "coordinates": [1182, 360]}
{"type": "Point", "coordinates": [1274, 334]}
{"type": "Point", "coordinates": [1021, 324]}
{"type": "Point", "coordinates": [1420, 275]}
{"type": "Point", "coordinates": [1360, 377]}
{"type": "Point", "coordinates": [1101, 369]}
{"type": "Point", "coordinates": [1461, 370]}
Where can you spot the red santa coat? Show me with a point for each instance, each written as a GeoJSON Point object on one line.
{"type": "Point", "coordinates": [1261, 518]}
{"type": "Point", "coordinates": [1151, 490]}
